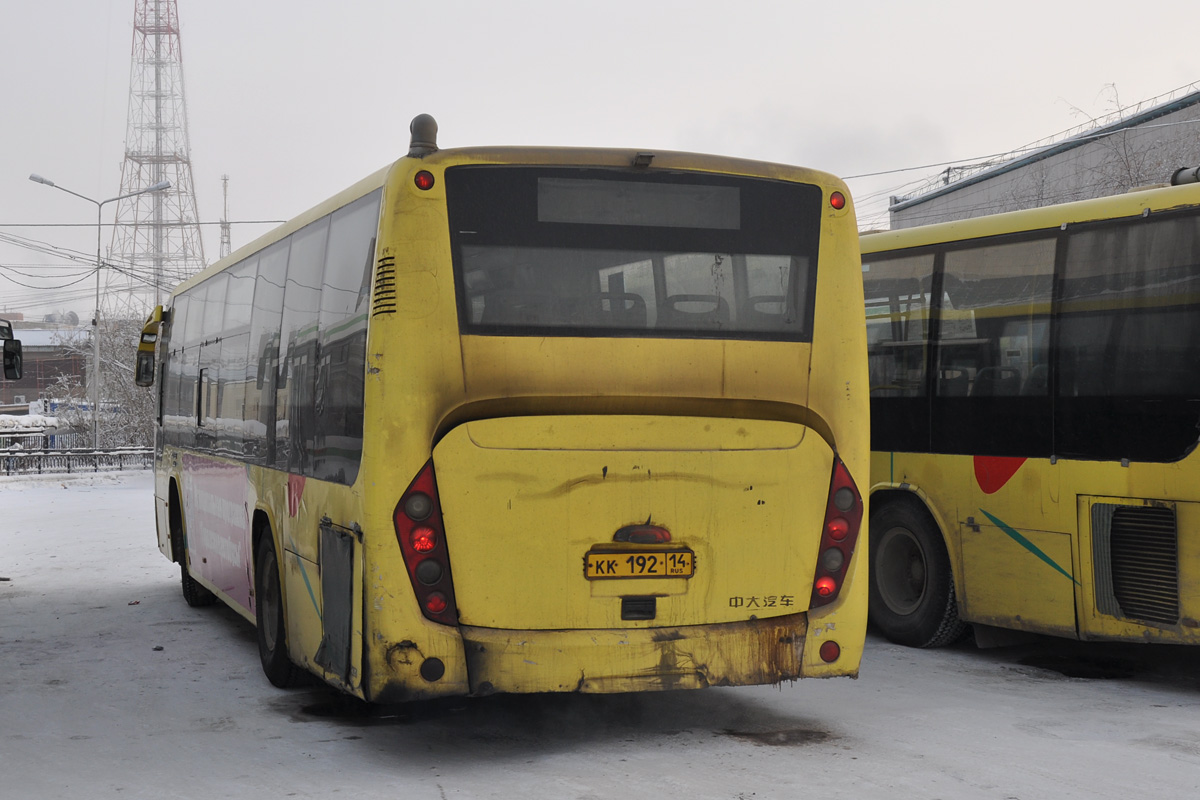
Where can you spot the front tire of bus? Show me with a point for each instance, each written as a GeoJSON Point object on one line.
{"type": "Point", "coordinates": [912, 599]}
{"type": "Point", "coordinates": [268, 613]}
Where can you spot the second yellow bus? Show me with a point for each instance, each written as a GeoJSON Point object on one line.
{"type": "Point", "coordinates": [1035, 415]}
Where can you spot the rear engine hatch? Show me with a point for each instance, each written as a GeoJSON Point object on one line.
{"type": "Point", "coordinates": [535, 509]}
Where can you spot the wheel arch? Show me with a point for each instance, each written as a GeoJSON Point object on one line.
{"type": "Point", "coordinates": [262, 528]}
{"type": "Point", "coordinates": [884, 495]}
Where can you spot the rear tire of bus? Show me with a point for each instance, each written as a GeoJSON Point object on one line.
{"type": "Point", "coordinates": [193, 592]}
{"type": "Point", "coordinates": [268, 613]}
{"type": "Point", "coordinates": [912, 599]}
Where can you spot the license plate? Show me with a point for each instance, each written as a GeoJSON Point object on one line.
{"type": "Point", "coordinates": [599, 565]}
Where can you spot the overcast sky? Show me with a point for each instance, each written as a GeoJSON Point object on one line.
{"type": "Point", "coordinates": [297, 99]}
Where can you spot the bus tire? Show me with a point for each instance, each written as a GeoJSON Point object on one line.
{"type": "Point", "coordinates": [196, 595]}
{"type": "Point", "coordinates": [912, 599]}
{"type": "Point", "coordinates": [268, 613]}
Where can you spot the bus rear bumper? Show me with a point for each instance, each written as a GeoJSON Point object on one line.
{"type": "Point", "coordinates": [765, 651]}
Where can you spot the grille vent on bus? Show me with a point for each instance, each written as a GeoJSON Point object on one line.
{"type": "Point", "coordinates": [385, 286]}
{"type": "Point", "coordinates": [1137, 562]}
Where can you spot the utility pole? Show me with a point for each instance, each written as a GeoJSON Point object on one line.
{"type": "Point", "coordinates": [226, 240]}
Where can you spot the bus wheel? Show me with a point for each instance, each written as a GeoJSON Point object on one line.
{"type": "Point", "coordinates": [268, 612]}
{"type": "Point", "coordinates": [912, 585]}
{"type": "Point", "coordinates": [193, 592]}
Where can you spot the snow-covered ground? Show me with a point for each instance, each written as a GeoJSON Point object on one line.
{"type": "Point", "coordinates": [112, 687]}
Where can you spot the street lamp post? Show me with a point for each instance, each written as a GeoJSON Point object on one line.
{"type": "Point", "coordinates": [158, 187]}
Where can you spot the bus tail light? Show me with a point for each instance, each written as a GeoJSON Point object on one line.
{"type": "Point", "coordinates": [422, 538]}
{"type": "Point", "coordinates": [843, 518]}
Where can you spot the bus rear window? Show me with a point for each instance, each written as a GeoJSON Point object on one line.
{"type": "Point", "coordinates": [579, 252]}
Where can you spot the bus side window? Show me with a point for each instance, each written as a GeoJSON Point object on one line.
{"type": "Point", "coordinates": [298, 343]}
{"type": "Point", "coordinates": [341, 359]}
{"type": "Point", "coordinates": [265, 317]}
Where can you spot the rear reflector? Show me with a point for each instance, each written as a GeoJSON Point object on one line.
{"type": "Point", "coordinates": [829, 651]}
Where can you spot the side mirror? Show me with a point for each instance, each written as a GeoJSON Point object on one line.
{"type": "Point", "coordinates": [143, 373]}
{"type": "Point", "coordinates": [12, 359]}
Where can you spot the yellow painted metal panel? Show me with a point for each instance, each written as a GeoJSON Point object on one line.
{"type": "Point", "coordinates": [1008, 585]}
{"type": "Point", "coordinates": [524, 499]}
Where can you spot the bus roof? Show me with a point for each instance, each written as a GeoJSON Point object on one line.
{"type": "Point", "coordinates": [1130, 204]}
{"type": "Point", "coordinates": [660, 160]}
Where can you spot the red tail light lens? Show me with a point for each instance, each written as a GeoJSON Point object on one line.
{"type": "Point", "coordinates": [837, 528]}
{"type": "Point", "coordinates": [424, 539]}
{"type": "Point", "coordinates": [421, 535]}
{"type": "Point", "coordinates": [829, 651]}
{"type": "Point", "coordinates": [436, 603]}
{"type": "Point", "coordinates": [843, 518]}
{"type": "Point", "coordinates": [424, 180]}
{"type": "Point", "coordinates": [837, 200]}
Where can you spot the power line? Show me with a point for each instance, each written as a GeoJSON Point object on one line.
{"type": "Point", "coordinates": [92, 225]}
{"type": "Point", "coordinates": [1014, 154]}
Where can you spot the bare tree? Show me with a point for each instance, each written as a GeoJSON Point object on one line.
{"type": "Point", "coordinates": [126, 412]}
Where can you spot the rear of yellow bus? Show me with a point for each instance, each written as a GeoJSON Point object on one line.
{"type": "Point", "coordinates": [616, 426]}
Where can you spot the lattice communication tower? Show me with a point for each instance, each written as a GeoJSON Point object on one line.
{"type": "Point", "coordinates": [156, 240]}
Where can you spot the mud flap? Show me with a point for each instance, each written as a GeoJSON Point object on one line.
{"type": "Point", "coordinates": [337, 574]}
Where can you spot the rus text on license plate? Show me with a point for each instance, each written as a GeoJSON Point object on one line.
{"type": "Point", "coordinates": [639, 564]}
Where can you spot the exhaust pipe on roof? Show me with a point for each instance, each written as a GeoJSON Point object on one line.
{"type": "Point", "coordinates": [1185, 175]}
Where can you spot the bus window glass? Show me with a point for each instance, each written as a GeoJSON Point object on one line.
{"type": "Point", "coordinates": [259, 415]}
{"type": "Point", "coordinates": [233, 380]}
{"type": "Point", "coordinates": [627, 297]}
{"type": "Point", "coordinates": [173, 403]}
{"type": "Point", "coordinates": [213, 292]}
{"type": "Point", "coordinates": [343, 340]}
{"type": "Point", "coordinates": [994, 320]}
{"type": "Point", "coordinates": [210, 378]}
{"type": "Point", "coordinates": [193, 326]}
{"type": "Point", "coordinates": [239, 297]}
{"type": "Point", "coordinates": [295, 421]}
{"type": "Point", "coordinates": [897, 299]}
{"type": "Point", "coordinates": [1130, 326]}
{"type": "Point", "coordinates": [598, 253]}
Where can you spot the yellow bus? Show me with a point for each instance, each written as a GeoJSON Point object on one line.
{"type": "Point", "coordinates": [1035, 408]}
{"type": "Point", "coordinates": [528, 420]}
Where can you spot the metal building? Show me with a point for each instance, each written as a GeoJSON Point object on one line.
{"type": "Point", "coordinates": [1137, 146]}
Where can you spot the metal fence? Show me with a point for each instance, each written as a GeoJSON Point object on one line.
{"type": "Point", "coordinates": [39, 462]}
